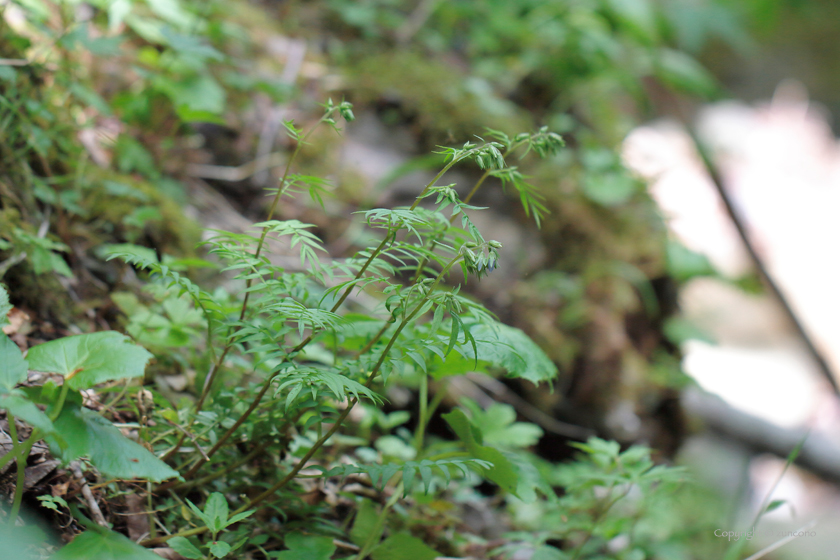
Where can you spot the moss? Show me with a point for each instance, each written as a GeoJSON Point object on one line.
{"type": "Point", "coordinates": [433, 96]}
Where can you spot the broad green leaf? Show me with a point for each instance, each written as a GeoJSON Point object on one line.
{"type": "Point", "coordinates": [19, 542]}
{"type": "Point", "coordinates": [307, 547]}
{"type": "Point", "coordinates": [103, 545]}
{"type": "Point", "coordinates": [499, 427]}
{"type": "Point", "coordinates": [609, 189]}
{"type": "Point", "coordinates": [88, 359]}
{"type": "Point", "coordinates": [199, 94]}
{"type": "Point", "coordinates": [86, 433]}
{"type": "Point", "coordinates": [185, 548]}
{"type": "Point", "coordinates": [498, 346]}
{"type": "Point", "coordinates": [365, 524]}
{"type": "Point", "coordinates": [12, 365]}
{"type": "Point", "coordinates": [219, 549]}
{"type": "Point", "coordinates": [684, 264]}
{"type": "Point", "coordinates": [117, 10]}
{"type": "Point", "coordinates": [401, 547]}
{"type": "Point", "coordinates": [24, 409]}
{"type": "Point", "coordinates": [546, 552]}
{"type": "Point", "coordinates": [216, 510]}
{"type": "Point", "coordinates": [502, 472]}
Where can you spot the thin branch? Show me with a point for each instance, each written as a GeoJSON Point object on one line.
{"type": "Point", "coordinates": [95, 512]}
{"type": "Point", "coordinates": [738, 222]}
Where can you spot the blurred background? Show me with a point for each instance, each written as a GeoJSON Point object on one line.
{"type": "Point", "coordinates": [689, 303]}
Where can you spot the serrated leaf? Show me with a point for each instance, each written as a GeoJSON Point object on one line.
{"type": "Point", "coordinates": [12, 365]}
{"type": "Point", "coordinates": [86, 433]}
{"type": "Point", "coordinates": [402, 546]}
{"type": "Point", "coordinates": [86, 360]}
{"type": "Point", "coordinates": [307, 547]}
{"type": "Point", "coordinates": [185, 548]}
{"type": "Point", "coordinates": [103, 545]}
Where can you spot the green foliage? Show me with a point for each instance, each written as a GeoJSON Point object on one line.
{"type": "Point", "coordinates": [282, 357]}
{"type": "Point", "coordinates": [400, 546]}
{"type": "Point", "coordinates": [89, 359]}
{"type": "Point", "coordinates": [102, 544]}
{"type": "Point", "coordinates": [306, 547]}
{"type": "Point", "coordinates": [81, 432]}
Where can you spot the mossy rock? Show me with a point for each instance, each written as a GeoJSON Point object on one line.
{"type": "Point", "coordinates": [433, 96]}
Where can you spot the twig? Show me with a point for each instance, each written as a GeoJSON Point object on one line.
{"type": "Point", "coordinates": [416, 20]}
{"type": "Point", "coordinates": [738, 222]}
{"type": "Point", "coordinates": [819, 454]}
{"type": "Point", "coordinates": [95, 512]}
{"type": "Point", "coordinates": [240, 173]}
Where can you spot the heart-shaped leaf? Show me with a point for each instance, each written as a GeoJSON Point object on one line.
{"type": "Point", "coordinates": [86, 433]}
{"type": "Point", "coordinates": [12, 365]}
{"type": "Point", "coordinates": [88, 359]}
{"type": "Point", "coordinates": [103, 545]}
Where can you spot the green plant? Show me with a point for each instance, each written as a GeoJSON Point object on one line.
{"type": "Point", "coordinates": [216, 519]}
{"type": "Point", "coordinates": [425, 330]}
{"type": "Point", "coordinates": [73, 431]}
{"type": "Point", "coordinates": [287, 358]}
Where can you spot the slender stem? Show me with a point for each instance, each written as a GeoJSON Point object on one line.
{"type": "Point", "coordinates": [436, 400]}
{"type": "Point", "coordinates": [21, 454]}
{"type": "Point", "coordinates": [223, 471]}
{"type": "Point", "coordinates": [217, 364]}
{"type": "Point", "coordinates": [746, 238]}
{"type": "Point", "coordinates": [420, 432]}
{"type": "Point", "coordinates": [467, 199]}
{"type": "Point", "coordinates": [211, 376]}
{"type": "Point", "coordinates": [375, 338]}
{"type": "Point", "coordinates": [374, 535]}
{"type": "Point", "coordinates": [373, 374]}
{"type": "Point", "coordinates": [255, 403]}
{"type": "Point", "coordinates": [597, 520]}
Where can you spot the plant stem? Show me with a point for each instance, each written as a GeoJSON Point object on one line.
{"type": "Point", "coordinates": [21, 454]}
{"type": "Point", "coordinates": [211, 376]}
{"type": "Point", "coordinates": [217, 364]}
{"type": "Point", "coordinates": [467, 199]}
{"type": "Point", "coordinates": [223, 471]}
{"type": "Point", "coordinates": [380, 522]}
{"type": "Point", "coordinates": [373, 374]}
{"type": "Point", "coordinates": [598, 519]}
{"type": "Point", "coordinates": [420, 432]}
